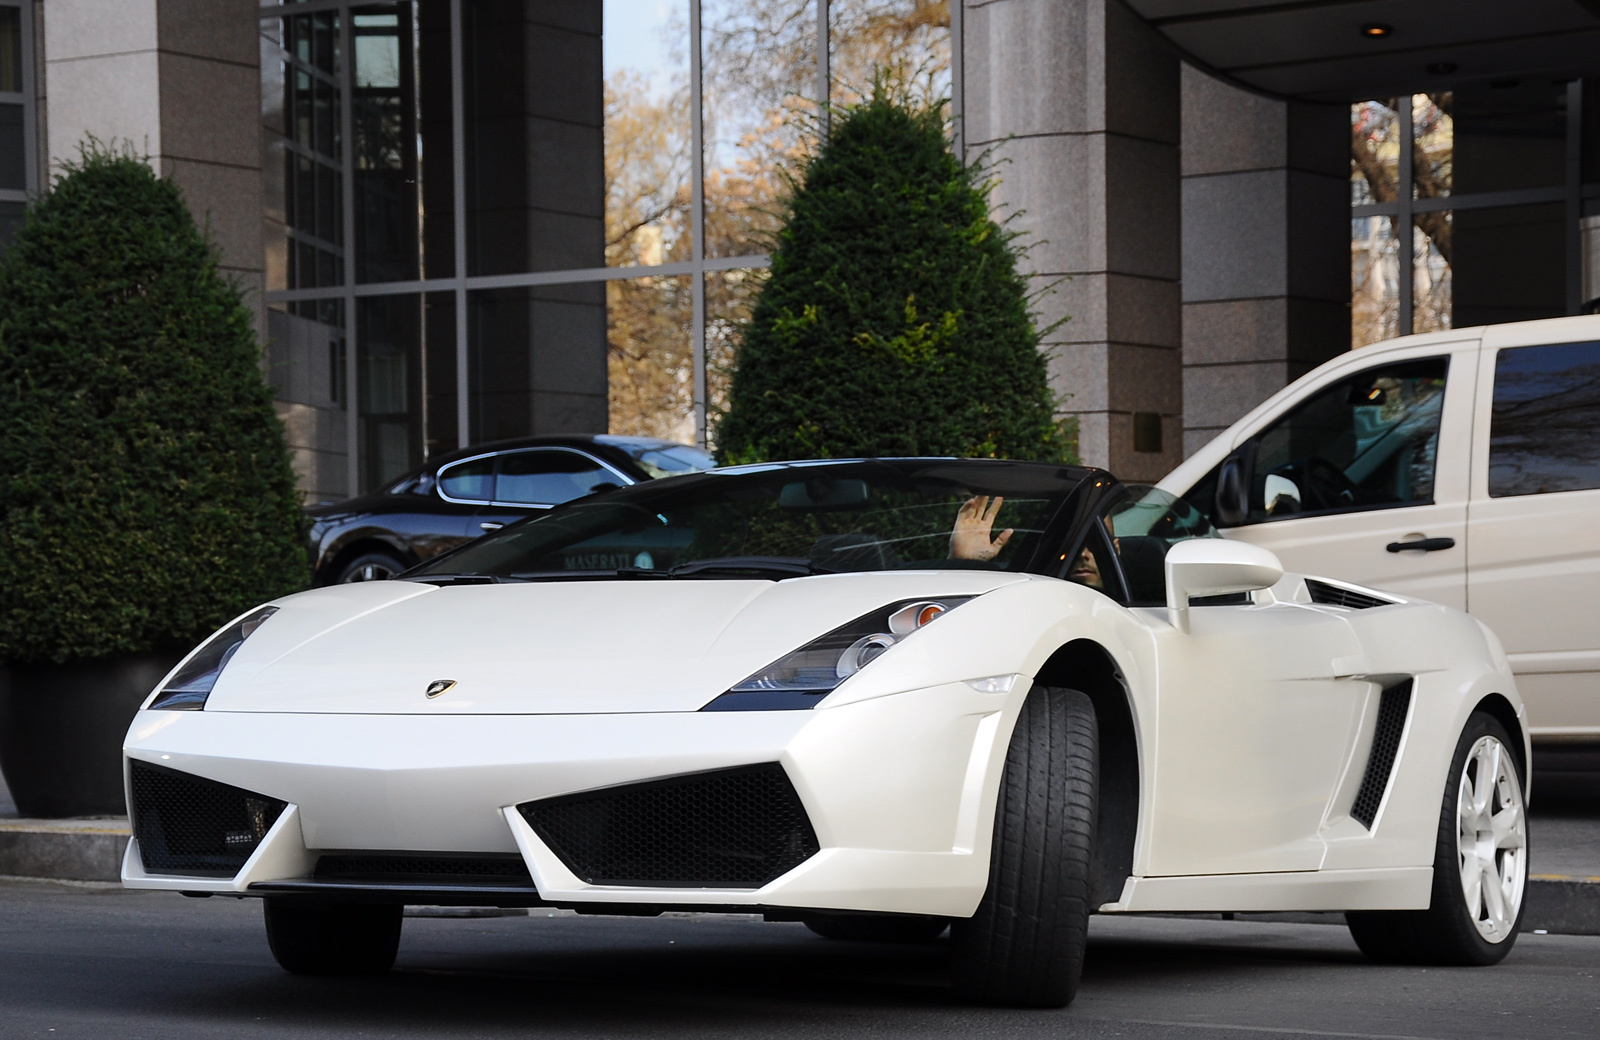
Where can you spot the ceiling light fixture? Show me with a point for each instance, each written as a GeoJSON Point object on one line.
{"type": "Point", "coordinates": [1376, 30]}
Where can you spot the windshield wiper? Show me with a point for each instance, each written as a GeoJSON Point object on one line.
{"type": "Point", "coordinates": [788, 566]}
{"type": "Point", "coordinates": [459, 579]}
{"type": "Point", "coordinates": [589, 575]}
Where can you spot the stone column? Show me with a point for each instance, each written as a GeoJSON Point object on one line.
{"type": "Point", "coordinates": [180, 81]}
{"type": "Point", "coordinates": [1266, 229]}
{"type": "Point", "coordinates": [1077, 100]}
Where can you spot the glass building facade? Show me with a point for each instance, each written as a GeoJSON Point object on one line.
{"type": "Point", "coordinates": [1467, 205]}
{"type": "Point", "coordinates": [494, 218]}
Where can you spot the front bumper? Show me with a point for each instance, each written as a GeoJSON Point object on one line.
{"type": "Point", "coordinates": [899, 789]}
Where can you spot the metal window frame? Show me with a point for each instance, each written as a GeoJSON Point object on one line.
{"type": "Point", "coordinates": [697, 269]}
{"type": "Point", "coordinates": [28, 98]}
{"type": "Point", "coordinates": [1571, 193]}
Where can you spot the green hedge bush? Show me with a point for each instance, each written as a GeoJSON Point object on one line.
{"type": "Point", "coordinates": [145, 491]}
{"type": "Point", "coordinates": [894, 320]}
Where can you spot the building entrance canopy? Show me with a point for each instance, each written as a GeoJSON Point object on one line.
{"type": "Point", "coordinates": [1339, 51]}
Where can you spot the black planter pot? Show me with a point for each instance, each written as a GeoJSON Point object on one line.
{"type": "Point", "coordinates": [61, 731]}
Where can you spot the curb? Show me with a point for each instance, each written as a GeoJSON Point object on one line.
{"type": "Point", "coordinates": [92, 850]}
{"type": "Point", "coordinates": [64, 850]}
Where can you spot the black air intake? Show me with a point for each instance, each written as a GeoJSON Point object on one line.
{"type": "Point", "coordinates": [1392, 710]}
{"type": "Point", "coordinates": [1334, 596]}
{"type": "Point", "coordinates": [189, 825]}
{"type": "Point", "coordinates": [730, 828]}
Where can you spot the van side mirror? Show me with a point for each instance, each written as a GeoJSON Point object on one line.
{"type": "Point", "coordinates": [1231, 505]}
{"type": "Point", "coordinates": [1215, 567]}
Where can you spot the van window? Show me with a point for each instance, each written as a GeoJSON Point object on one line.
{"type": "Point", "coordinates": [1367, 442]}
{"type": "Point", "coordinates": [1544, 433]}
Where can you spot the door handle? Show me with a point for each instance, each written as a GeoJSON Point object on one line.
{"type": "Point", "coordinates": [488, 526]}
{"type": "Point", "coordinates": [1423, 545]}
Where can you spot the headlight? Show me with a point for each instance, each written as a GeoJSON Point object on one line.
{"type": "Point", "coordinates": [188, 690]}
{"type": "Point", "coordinates": [800, 679]}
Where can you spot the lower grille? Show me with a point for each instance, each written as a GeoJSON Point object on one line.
{"type": "Point", "coordinates": [730, 828]}
{"type": "Point", "coordinates": [424, 868]}
{"type": "Point", "coordinates": [1392, 710]}
{"type": "Point", "coordinates": [189, 825]}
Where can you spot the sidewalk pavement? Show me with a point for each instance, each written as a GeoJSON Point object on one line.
{"type": "Point", "coordinates": [1563, 884]}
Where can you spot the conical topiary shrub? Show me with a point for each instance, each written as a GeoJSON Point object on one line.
{"type": "Point", "coordinates": [146, 495]}
{"type": "Point", "coordinates": [146, 491]}
{"type": "Point", "coordinates": [894, 321]}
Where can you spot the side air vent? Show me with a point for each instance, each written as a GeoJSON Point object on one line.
{"type": "Point", "coordinates": [189, 825]}
{"type": "Point", "coordinates": [1335, 596]}
{"type": "Point", "coordinates": [423, 868]}
{"type": "Point", "coordinates": [1393, 707]}
{"type": "Point", "coordinates": [729, 828]}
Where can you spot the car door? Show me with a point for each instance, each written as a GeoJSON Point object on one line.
{"type": "Point", "coordinates": [1255, 717]}
{"type": "Point", "coordinates": [1533, 560]}
{"type": "Point", "coordinates": [534, 479]}
{"type": "Point", "coordinates": [1365, 463]}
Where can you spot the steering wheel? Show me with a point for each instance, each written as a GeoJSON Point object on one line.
{"type": "Point", "coordinates": [1325, 485]}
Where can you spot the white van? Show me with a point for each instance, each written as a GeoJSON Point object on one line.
{"type": "Point", "coordinates": [1461, 467]}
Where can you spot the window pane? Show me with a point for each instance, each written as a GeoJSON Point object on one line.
{"type": "Point", "coordinates": [439, 368]}
{"type": "Point", "coordinates": [1374, 281]}
{"type": "Point", "coordinates": [647, 131]}
{"type": "Point", "coordinates": [1510, 135]}
{"type": "Point", "coordinates": [535, 114]}
{"type": "Point", "coordinates": [303, 208]}
{"type": "Point", "coordinates": [760, 113]}
{"type": "Point", "coordinates": [401, 109]}
{"type": "Point", "coordinates": [11, 49]}
{"type": "Point", "coordinates": [651, 359]}
{"type": "Point", "coordinates": [537, 360]}
{"type": "Point", "coordinates": [730, 295]}
{"type": "Point", "coordinates": [547, 477]}
{"type": "Point", "coordinates": [470, 481]}
{"type": "Point", "coordinates": [1375, 152]}
{"type": "Point", "coordinates": [1433, 145]}
{"type": "Point", "coordinates": [1431, 283]}
{"type": "Point", "coordinates": [1546, 410]}
{"type": "Point", "coordinates": [1368, 441]}
{"type": "Point", "coordinates": [13, 164]}
{"type": "Point", "coordinates": [389, 363]}
{"type": "Point", "coordinates": [1509, 264]}
{"type": "Point", "coordinates": [909, 37]}
{"type": "Point", "coordinates": [306, 368]}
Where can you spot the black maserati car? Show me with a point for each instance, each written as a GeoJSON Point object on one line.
{"type": "Point", "coordinates": [459, 496]}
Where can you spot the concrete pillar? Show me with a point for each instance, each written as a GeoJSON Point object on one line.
{"type": "Point", "coordinates": [180, 81]}
{"type": "Point", "coordinates": [1266, 226]}
{"type": "Point", "coordinates": [1078, 101]}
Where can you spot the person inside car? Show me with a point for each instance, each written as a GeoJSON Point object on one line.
{"type": "Point", "coordinates": [969, 540]}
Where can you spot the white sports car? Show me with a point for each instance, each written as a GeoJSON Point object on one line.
{"type": "Point", "coordinates": [882, 697]}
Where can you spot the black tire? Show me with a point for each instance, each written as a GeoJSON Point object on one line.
{"type": "Point", "coordinates": [884, 928]}
{"type": "Point", "coordinates": [333, 938]}
{"type": "Point", "coordinates": [372, 566]}
{"type": "Point", "coordinates": [1024, 947]}
{"type": "Point", "coordinates": [1445, 932]}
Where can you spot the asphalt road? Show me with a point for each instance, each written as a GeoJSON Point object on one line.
{"type": "Point", "coordinates": [102, 963]}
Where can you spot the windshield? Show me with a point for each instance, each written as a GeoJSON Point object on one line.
{"type": "Point", "coordinates": [783, 521]}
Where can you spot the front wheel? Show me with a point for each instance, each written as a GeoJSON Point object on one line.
{"type": "Point", "coordinates": [333, 938]}
{"type": "Point", "coordinates": [1024, 947]}
{"type": "Point", "coordinates": [1480, 865]}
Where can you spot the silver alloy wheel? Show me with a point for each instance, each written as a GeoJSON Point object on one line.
{"type": "Point", "coordinates": [1492, 839]}
{"type": "Point", "coordinates": [371, 572]}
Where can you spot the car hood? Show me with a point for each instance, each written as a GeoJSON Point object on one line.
{"type": "Point", "coordinates": [560, 647]}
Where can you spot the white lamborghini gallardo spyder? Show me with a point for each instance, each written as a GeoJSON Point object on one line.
{"type": "Point", "coordinates": [882, 697]}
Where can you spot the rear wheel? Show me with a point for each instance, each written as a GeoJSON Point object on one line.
{"type": "Point", "coordinates": [885, 928]}
{"type": "Point", "coordinates": [1480, 865]}
{"type": "Point", "coordinates": [372, 566]}
{"type": "Point", "coordinates": [333, 938]}
{"type": "Point", "coordinates": [1025, 944]}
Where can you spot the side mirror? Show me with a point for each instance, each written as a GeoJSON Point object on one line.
{"type": "Point", "coordinates": [1215, 567]}
{"type": "Point", "coordinates": [1231, 505]}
